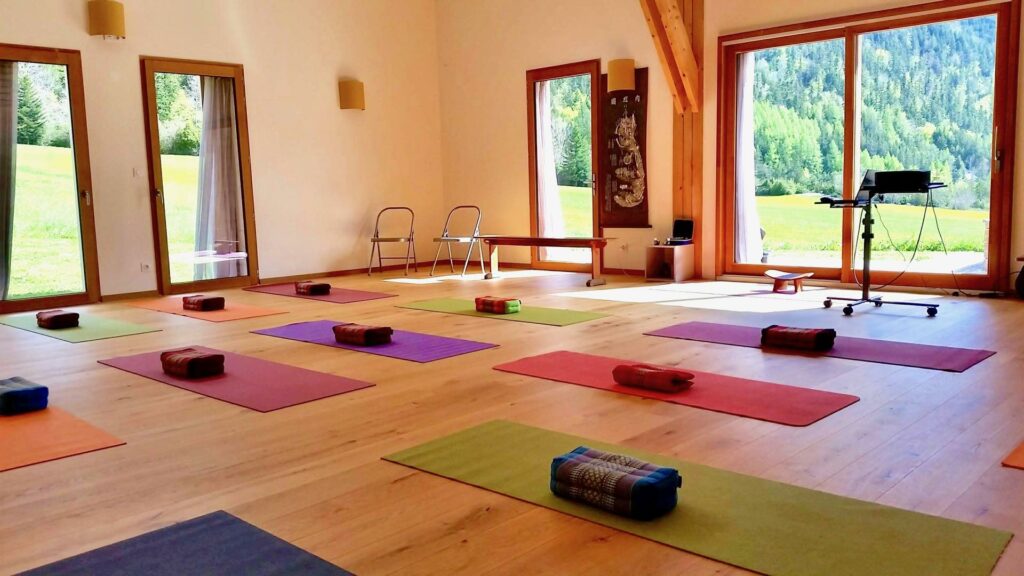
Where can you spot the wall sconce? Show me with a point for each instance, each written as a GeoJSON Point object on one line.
{"type": "Point", "coordinates": [106, 18]}
{"type": "Point", "coordinates": [350, 94]}
{"type": "Point", "coordinates": [621, 75]}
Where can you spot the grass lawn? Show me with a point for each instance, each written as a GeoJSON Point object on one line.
{"type": "Point", "coordinates": [577, 211]}
{"type": "Point", "coordinates": [181, 194]}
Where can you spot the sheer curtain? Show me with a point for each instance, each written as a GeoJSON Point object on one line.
{"type": "Point", "coordinates": [549, 199]}
{"type": "Point", "coordinates": [8, 163]}
{"type": "Point", "coordinates": [220, 220]}
{"type": "Point", "coordinates": [749, 247]}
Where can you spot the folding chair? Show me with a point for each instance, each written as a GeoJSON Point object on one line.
{"type": "Point", "coordinates": [409, 240]}
{"type": "Point", "coordinates": [446, 239]}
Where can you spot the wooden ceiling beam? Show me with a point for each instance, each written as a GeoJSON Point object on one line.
{"type": "Point", "coordinates": [675, 50]}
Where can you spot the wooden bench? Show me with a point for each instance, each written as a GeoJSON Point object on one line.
{"type": "Point", "coordinates": [782, 279]}
{"type": "Point", "coordinates": [492, 241]}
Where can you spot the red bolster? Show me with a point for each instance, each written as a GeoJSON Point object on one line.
{"type": "Point", "coordinates": [652, 378]}
{"type": "Point", "coordinates": [308, 288]}
{"type": "Point", "coordinates": [57, 319]}
{"type": "Point", "coordinates": [192, 363]}
{"type": "Point", "coordinates": [359, 335]}
{"type": "Point", "coordinates": [203, 303]}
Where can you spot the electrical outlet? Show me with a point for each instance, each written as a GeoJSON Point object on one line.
{"type": "Point", "coordinates": [143, 267]}
{"type": "Point", "coordinates": [624, 247]}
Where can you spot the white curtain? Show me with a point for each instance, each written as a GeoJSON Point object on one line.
{"type": "Point", "coordinates": [8, 164]}
{"type": "Point", "coordinates": [749, 248]}
{"type": "Point", "coordinates": [549, 198]}
{"type": "Point", "coordinates": [220, 219]}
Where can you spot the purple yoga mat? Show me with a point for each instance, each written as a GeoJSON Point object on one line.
{"type": "Point", "coordinates": [337, 295]}
{"type": "Point", "coordinates": [248, 382]}
{"type": "Point", "coordinates": [866, 349]}
{"type": "Point", "coordinates": [404, 345]}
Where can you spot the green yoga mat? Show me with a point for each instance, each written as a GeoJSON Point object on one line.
{"type": "Point", "coordinates": [760, 525]}
{"type": "Point", "coordinates": [90, 328]}
{"type": "Point", "coordinates": [531, 314]}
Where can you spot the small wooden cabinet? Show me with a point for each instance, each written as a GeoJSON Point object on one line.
{"type": "Point", "coordinates": [669, 263]}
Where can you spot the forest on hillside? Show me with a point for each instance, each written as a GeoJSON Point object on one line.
{"type": "Point", "coordinates": [927, 103]}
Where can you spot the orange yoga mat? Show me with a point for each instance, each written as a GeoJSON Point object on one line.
{"type": "Point", "coordinates": [1016, 458]}
{"type": "Point", "coordinates": [48, 435]}
{"type": "Point", "coordinates": [231, 311]}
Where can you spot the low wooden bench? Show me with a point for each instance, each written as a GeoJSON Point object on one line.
{"type": "Point", "coordinates": [782, 279]}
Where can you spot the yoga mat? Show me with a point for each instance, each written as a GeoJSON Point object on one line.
{"type": "Point", "coordinates": [337, 295]}
{"type": "Point", "coordinates": [215, 544]}
{"type": "Point", "coordinates": [778, 403]}
{"type": "Point", "coordinates": [756, 524]}
{"type": "Point", "coordinates": [530, 314]}
{"type": "Point", "coordinates": [90, 328]}
{"type": "Point", "coordinates": [1015, 459]}
{"type": "Point", "coordinates": [231, 311]}
{"type": "Point", "coordinates": [866, 349]}
{"type": "Point", "coordinates": [248, 382]}
{"type": "Point", "coordinates": [46, 435]}
{"type": "Point", "coordinates": [404, 345]}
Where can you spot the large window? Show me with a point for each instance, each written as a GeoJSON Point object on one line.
{"type": "Point", "coordinates": [808, 114]}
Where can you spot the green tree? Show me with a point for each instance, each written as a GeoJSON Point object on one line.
{"type": "Point", "coordinates": [31, 117]}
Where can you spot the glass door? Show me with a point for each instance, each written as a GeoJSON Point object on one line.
{"type": "Point", "coordinates": [563, 160]}
{"type": "Point", "coordinates": [202, 200]}
{"type": "Point", "coordinates": [47, 241]}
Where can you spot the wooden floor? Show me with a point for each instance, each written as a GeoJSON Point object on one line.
{"type": "Point", "coordinates": [312, 474]}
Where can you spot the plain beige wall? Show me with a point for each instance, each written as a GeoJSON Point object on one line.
{"type": "Point", "coordinates": [723, 17]}
{"type": "Point", "coordinates": [319, 173]}
{"type": "Point", "coordinates": [486, 47]}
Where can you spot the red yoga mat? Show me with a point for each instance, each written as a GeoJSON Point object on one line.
{"type": "Point", "coordinates": [248, 382]}
{"type": "Point", "coordinates": [865, 349]}
{"type": "Point", "coordinates": [778, 403]}
{"type": "Point", "coordinates": [337, 295]}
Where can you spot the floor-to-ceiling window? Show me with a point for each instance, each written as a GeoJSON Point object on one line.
{"type": "Point", "coordinates": [807, 114]}
{"type": "Point", "coordinates": [47, 242]}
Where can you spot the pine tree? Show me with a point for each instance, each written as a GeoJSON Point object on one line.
{"type": "Point", "coordinates": [31, 117]}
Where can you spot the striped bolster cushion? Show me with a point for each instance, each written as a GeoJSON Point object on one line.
{"type": "Point", "coordinates": [614, 482]}
{"type": "Point", "coordinates": [493, 305]}
{"type": "Point", "coordinates": [307, 288]}
{"type": "Point", "coordinates": [56, 319]}
{"type": "Point", "coordinates": [202, 303]}
{"type": "Point", "coordinates": [652, 378]}
{"type": "Point", "coordinates": [18, 396]}
{"type": "Point", "coordinates": [359, 335]}
{"type": "Point", "coordinates": [192, 363]}
{"type": "Point", "coordinates": [817, 339]}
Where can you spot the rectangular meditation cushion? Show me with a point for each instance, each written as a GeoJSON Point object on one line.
{"type": "Point", "coordinates": [652, 377]}
{"type": "Point", "coordinates": [202, 303]}
{"type": "Point", "coordinates": [57, 319]}
{"type": "Point", "coordinates": [307, 288]}
{"type": "Point", "coordinates": [359, 335]}
{"type": "Point", "coordinates": [493, 305]}
{"type": "Point", "coordinates": [18, 396]}
{"type": "Point", "coordinates": [191, 363]}
{"type": "Point", "coordinates": [614, 482]}
{"type": "Point", "coordinates": [816, 339]}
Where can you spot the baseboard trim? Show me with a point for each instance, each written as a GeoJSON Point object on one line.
{"type": "Point", "coordinates": [129, 296]}
{"type": "Point", "coordinates": [391, 268]}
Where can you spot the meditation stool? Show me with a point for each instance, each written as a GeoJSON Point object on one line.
{"type": "Point", "coordinates": [18, 396]}
{"type": "Point", "coordinates": [614, 482]}
{"type": "Point", "coordinates": [783, 278]}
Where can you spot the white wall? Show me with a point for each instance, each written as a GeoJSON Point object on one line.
{"type": "Point", "coordinates": [319, 173]}
{"type": "Point", "coordinates": [485, 48]}
{"type": "Point", "coordinates": [724, 17]}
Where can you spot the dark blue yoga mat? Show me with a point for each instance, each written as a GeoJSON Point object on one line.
{"type": "Point", "coordinates": [216, 544]}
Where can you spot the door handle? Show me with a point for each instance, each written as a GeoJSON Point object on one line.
{"type": "Point", "coordinates": [87, 197]}
{"type": "Point", "coordinates": [159, 194]}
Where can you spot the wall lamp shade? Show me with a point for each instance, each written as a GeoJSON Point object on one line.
{"type": "Point", "coordinates": [621, 75]}
{"type": "Point", "coordinates": [106, 18]}
{"type": "Point", "coordinates": [350, 93]}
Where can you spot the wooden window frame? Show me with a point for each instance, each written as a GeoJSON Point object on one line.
{"type": "Point", "coordinates": [72, 61]}
{"type": "Point", "coordinates": [851, 28]}
{"type": "Point", "coordinates": [593, 68]}
{"type": "Point", "coordinates": [150, 67]}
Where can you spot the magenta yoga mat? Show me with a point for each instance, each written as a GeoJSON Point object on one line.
{"type": "Point", "coordinates": [865, 349]}
{"type": "Point", "coordinates": [248, 382]}
{"type": "Point", "coordinates": [337, 295]}
{"type": "Point", "coordinates": [404, 345]}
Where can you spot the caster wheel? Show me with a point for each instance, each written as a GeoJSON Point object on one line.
{"type": "Point", "coordinates": [828, 303]}
{"type": "Point", "coordinates": [933, 311]}
{"type": "Point", "coordinates": [878, 304]}
{"type": "Point", "coordinates": [848, 310]}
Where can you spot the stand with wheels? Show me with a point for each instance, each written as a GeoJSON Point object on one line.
{"type": "Point", "coordinates": [865, 199]}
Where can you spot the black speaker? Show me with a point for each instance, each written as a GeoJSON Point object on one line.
{"type": "Point", "coordinates": [683, 228]}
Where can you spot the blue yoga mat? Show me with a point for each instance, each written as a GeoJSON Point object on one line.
{"type": "Point", "coordinates": [215, 544]}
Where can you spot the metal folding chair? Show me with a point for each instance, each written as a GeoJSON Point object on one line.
{"type": "Point", "coordinates": [409, 240]}
{"type": "Point", "coordinates": [446, 239]}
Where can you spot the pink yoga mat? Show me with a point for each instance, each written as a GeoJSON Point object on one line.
{"type": "Point", "coordinates": [248, 382]}
{"type": "Point", "coordinates": [337, 295]}
{"type": "Point", "coordinates": [777, 403]}
{"type": "Point", "coordinates": [866, 349]}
